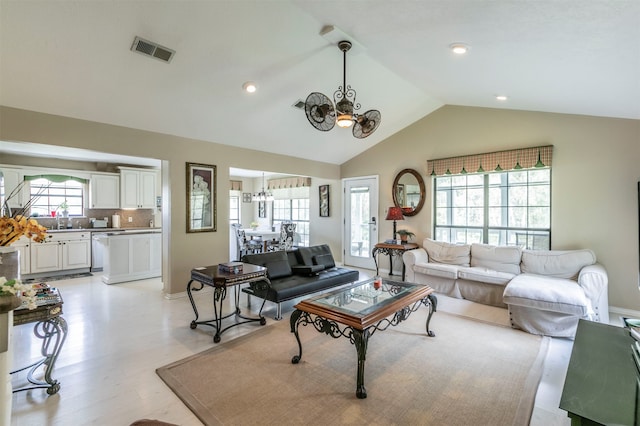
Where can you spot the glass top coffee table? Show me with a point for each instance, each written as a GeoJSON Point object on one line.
{"type": "Point", "coordinates": [358, 311]}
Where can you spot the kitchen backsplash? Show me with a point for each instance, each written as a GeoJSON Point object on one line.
{"type": "Point", "coordinates": [140, 218]}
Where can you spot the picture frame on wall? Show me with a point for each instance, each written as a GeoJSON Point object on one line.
{"type": "Point", "coordinates": [246, 197]}
{"type": "Point", "coordinates": [323, 191]}
{"type": "Point", "coordinates": [262, 209]}
{"type": "Point", "coordinates": [201, 197]}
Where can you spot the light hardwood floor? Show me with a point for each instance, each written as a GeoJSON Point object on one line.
{"type": "Point", "coordinates": [119, 334]}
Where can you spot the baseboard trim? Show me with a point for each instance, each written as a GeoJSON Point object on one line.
{"type": "Point", "coordinates": [622, 312]}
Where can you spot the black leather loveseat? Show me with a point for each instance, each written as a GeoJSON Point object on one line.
{"type": "Point", "coordinates": [296, 273]}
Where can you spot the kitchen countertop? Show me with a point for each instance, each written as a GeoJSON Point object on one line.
{"type": "Point", "coordinates": [104, 230]}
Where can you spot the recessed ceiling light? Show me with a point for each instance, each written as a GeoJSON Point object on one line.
{"type": "Point", "coordinates": [249, 87]}
{"type": "Point", "coordinates": [459, 48]}
{"type": "Point", "coordinates": [501, 98]}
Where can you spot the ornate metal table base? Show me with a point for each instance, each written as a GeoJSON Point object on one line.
{"type": "Point", "coordinates": [219, 294]}
{"type": "Point", "coordinates": [53, 333]}
{"type": "Point", "coordinates": [359, 338]}
{"type": "Point", "coordinates": [391, 250]}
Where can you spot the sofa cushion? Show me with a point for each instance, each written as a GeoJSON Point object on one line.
{"type": "Point", "coordinates": [485, 275]}
{"type": "Point", "coordinates": [556, 263]}
{"type": "Point", "coordinates": [437, 270]}
{"type": "Point", "coordinates": [547, 294]}
{"type": "Point", "coordinates": [305, 254]}
{"type": "Point", "coordinates": [498, 258]}
{"type": "Point", "coordinates": [442, 252]}
{"type": "Point", "coordinates": [278, 269]}
{"type": "Point", "coordinates": [325, 260]}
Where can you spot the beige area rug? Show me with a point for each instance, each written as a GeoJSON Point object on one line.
{"type": "Point", "coordinates": [470, 373]}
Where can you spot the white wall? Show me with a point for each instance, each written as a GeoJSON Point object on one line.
{"type": "Point", "coordinates": [596, 167]}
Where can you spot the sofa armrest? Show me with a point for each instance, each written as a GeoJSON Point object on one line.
{"type": "Point", "coordinates": [410, 258]}
{"type": "Point", "coordinates": [307, 270]}
{"type": "Point", "coordinates": [594, 280]}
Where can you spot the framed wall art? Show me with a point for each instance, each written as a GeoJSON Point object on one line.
{"type": "Point", "coordinates": [246, 197]}
{"type": "Point", "coordinates": [201, 198]}
{"type": "Point", "coordinates": [324, 200]}
{"type": "Point", "coordinates": [262, 209]}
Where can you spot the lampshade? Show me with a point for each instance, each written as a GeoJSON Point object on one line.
{"type": "Point", "coordinates": [395, 213]}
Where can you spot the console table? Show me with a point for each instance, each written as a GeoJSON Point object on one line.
{"type": "Point", "coordinates": [600, 387]}
{"type": "Point", "coordinates": [391, 249]}
{"type": "Point", "coordinates": [52, 329]}
{"type": "Point", "coordinates": [212, 276]}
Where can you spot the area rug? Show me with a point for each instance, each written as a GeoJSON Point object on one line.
{"type": "Point", "coordinates": [470, 373]}
{"type": "Point", "coordinates": [58, 277]}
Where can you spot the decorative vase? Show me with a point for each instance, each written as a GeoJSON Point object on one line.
{"type": "Point", "coordinates": [10, 269]}
{"type": "Point", "coordinates": [9, 262]}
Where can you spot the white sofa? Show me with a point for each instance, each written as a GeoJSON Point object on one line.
{"type": "Point", "coordinates": [546, 291]}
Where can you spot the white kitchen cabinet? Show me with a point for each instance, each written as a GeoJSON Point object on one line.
{"type": "Point", "coordinates": [104, 191]}
{"type": "Point", "coordinates": [23, 246]}
{"type": "Point", "coordinates": [131, 256]}
{"type": "Point", "coordinates": [61, 251]}
{"type": "Point", "coordinates": [12, 179]}
{"type": "Point", "coordinates": [137, 188]}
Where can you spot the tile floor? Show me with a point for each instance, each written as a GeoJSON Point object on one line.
{"type": "Point", "coordinates": [119, 334]}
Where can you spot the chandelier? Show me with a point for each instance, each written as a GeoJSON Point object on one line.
{"type": "Point", "coordinates": [262, 195]}
{"type": "Point", "coordinates": [322, 114]}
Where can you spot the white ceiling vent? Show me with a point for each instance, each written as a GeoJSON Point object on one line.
{"type": "Point", "coordinates": [152, 49]}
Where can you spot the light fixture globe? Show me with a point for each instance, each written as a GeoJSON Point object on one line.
{"type": "Point", "coordinates": [344, 110]}
{"type": "Point", "coordinates": [323, 116]}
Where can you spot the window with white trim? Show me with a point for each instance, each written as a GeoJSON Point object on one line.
{"type": "Point", "coordinates": [234, 209]}
{"type": "Point", "coordinates": [296, 211]}
{"type": "Point", "coordinates": [49, 196]}
{"type": "Point", "coordinates": [499, 208]}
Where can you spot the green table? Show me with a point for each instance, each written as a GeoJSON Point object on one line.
{"type": "Point", "coordinates": [601, 382]}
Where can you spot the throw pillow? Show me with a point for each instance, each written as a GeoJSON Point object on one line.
{"type": "Point", "coordinates": [325, 260]}
{"type": "Point", "coordinates": [278, 269]}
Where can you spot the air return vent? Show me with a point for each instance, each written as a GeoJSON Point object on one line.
{"type": "Point", "coordinates": [152, 49]}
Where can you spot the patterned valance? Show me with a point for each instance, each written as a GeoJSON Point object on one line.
{"type": "Point", "coordinates": [515, 159]}
{"type": "Point", "coordinates": [56, 178]}
{"type": "Point", "coordinates": [235, 185]}
{"type": "Point", "coordinates": [289, 182]}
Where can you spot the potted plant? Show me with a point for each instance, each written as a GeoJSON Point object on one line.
{"type": "Point", "coordinates": [64, 208]}
{"type": "Point", "coordinates": [405, 235]}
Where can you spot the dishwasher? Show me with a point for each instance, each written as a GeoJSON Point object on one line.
{"type": "Point", "coordinates": [97, 251]}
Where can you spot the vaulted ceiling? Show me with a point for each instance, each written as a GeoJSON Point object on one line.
{"type": "Point", "coordinates": [73, 58]}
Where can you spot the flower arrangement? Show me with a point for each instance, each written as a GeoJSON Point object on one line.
{"type": "Point", "coordinates": [14, 224]}
{"type": "Point", "coordinates": [254, 225]}
{"type": "Point", "coordinates": [15, 288]}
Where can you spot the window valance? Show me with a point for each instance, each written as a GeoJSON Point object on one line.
{"type": "Point", "coordinates": [515, 159]}
{"type": "Point", "coordinates": [235, 185]}
{"type": "Point", "coordinates": [56, 178]}
{"type": "Point", "coordinates": [289, 182]}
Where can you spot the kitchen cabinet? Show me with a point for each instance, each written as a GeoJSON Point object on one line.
{"type": "Point", "coordinates": [23, 246]}
{"type": "Point", "coordinates": [61, 251]}
{"type": "Point", "coordinates": [130, 256]}
{"type": "Point", "coordinates": [13, 179]}
{"type": "Point", "coordinates": [104, 192]}
{"type": "Point", "coordinates": [137, 188]}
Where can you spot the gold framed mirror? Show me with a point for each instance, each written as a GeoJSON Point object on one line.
{"type": "Point", "coordinates": [408, 192]}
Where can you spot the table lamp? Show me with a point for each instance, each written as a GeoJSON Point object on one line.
{"type": "Point", "coordinates": [394, 214]}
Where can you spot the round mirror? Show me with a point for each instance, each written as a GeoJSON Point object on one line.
{"type": "Point", "coordinates": [408, 192]}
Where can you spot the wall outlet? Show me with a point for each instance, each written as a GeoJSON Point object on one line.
{"type": "Point", "coordinates": [130, 219]}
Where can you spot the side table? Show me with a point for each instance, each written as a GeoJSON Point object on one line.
{"type": "Point", "coordinates": [52, 329]}
{"type": "Point", "coordinates": [391, 249]}
{"type": "Point", "coordinates": [212, 276]}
